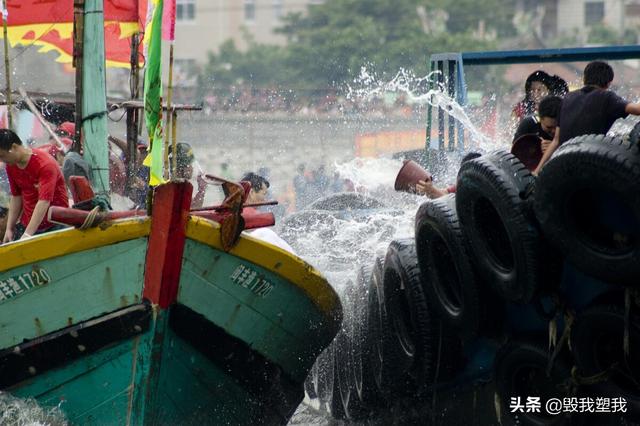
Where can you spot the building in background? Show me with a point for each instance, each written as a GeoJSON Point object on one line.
{"type": "Point", "coordinates": [553, 18]}
{"type": "Point", "coordinates": [203, 25]}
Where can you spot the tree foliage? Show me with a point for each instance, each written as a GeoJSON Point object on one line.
{"type": "Point", "coordinates": [328, 45]}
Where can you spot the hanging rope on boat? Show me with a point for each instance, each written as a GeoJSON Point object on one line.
{"type": "Point", "coordinates": [94, 115]}
{"type": "Point", "coordinates": [91, 219]}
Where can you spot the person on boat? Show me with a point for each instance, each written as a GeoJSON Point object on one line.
{"type": "Point", "coordinates": [259, 188]}
{"type": "Point", "coordinates": [75, 165]}
{"type": "Point", "coordinates": [543, 124]}
{"type": "Point", "coordinates": [3, 220]}
{"type": "Point", "coordinates": [590, 110]}
{"type": "Point", "coordinates": [36, 183]}
{"type": "Point", "coordinates": [140, 184]}
{"type": "Point", "coordinates": [66, 130]}
{"type": "Point", "coordinates": [56, 151]}
{"type": "Point", "coordinates": [185, 160]}
{"type": "Point", "coordinates": [536, 88]}
{"type": "Point", "coordinates": [4, 212]}
{"type": "Point", "coordinates": [258, 194]}
{"type": "Point", "coordinates": [431, 191]}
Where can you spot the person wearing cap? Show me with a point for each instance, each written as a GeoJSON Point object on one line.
{"type": "Point", "coordinates": [66, 130]}
{"type": "Point", "coordinates": [184, 170]}
{"type": "Point", "coordinates": [36, 183]}
{"type": "Point", "coordinates": [56, 151]}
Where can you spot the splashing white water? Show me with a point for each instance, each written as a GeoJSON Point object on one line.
{"type": "Point", "coordinates": [417, 90]}
{"type": "Point", "coordinates": [27, 412]}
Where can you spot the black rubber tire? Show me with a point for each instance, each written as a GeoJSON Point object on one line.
{"type": "Point", "coordinates": [379, 330]}
{"type": "Point", "coordinates": [309, 383]}
{"type": "Point", "coordinates": [352, 406]}
{"type": "Point", "coordinates": [345, 201]}
{"type": "Point", "coordinates": [334, 400]}
{"type": "Point", "coordinates": [450, 280]}
{"type": "Point", "coordinates": [570, 208]}
{"type": "Point", "coordinates": [496, 217]}
{"type": "Point", "coordinates": [520, 371]}
{"type": "Point", "coordinates": [323, 378]}
{"type": "Point", "coordinates": [363, 372]}
{"type": "Point", "coordinates": [415, 325]}
{"type": "Point", "coordinates": [597, 343]}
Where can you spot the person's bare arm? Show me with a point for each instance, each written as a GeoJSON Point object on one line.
{"type": "Point", "coordinates": [548, 152]}
{"type": "Point", "coordinates": [633, 109]}
{"type": "Point", "coordinates": [15, 208]}
{"type": "Point", "coordinates": [39, 212]}
{"type": "Point", "coordinates": [427, 188]}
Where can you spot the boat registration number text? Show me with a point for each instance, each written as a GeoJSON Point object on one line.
{"type": "Point", "coordinates": [15, 286]}
{"type": "Point", "coordinates": [248, 278]}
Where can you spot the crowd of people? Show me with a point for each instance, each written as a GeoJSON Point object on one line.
{"type": "Point", "coordinates": [243, 100]}
{"type": "Point", "coordinates": [34, 178]}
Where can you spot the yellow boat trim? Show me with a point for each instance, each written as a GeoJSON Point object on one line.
{"type": "Point", "coordinates": [274, 259]}
{"type": "Point", "coordinates": [70, 241]}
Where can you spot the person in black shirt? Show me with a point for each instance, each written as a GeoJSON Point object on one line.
{"type": "Point", "coordinates": [590, 110]}
{"type": "Point", "coordinates": [544, 124]}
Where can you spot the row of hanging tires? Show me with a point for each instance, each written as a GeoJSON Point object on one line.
{"type": "Point", "coordinates": [486, 264]}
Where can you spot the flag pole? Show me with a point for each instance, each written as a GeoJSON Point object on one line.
{"type": "Point", "coordinates": [174, 157]}
{"type": "Point", "coordinates": [78, 63]}
{"type": "Point", "coordinates": [5, 19]}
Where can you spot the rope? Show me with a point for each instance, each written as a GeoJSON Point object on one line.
{"type": "Point", "coordinates": [569, 318]}
{"type": "Point", "coordinates": [603, 376]}
{"type": "Point", "coordinates": [94, 115]}
{"type": "Point", "coordinates": [92, 219]}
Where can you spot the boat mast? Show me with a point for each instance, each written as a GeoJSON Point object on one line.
{"type": "Point", "coordinates": [7, 69]}
{"type": "Point", "coordinates": [91, 111]}
{"type": "Point", "coordinates": [78, 31]}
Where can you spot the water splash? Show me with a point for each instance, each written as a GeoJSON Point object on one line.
{"type": "Point", "coordinates": [27, 412]}
{"type": "Point", "coordinates": [417, 90]}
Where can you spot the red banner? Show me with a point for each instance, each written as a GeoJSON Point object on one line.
{"type": "Point", "coordinates": [49, 25]}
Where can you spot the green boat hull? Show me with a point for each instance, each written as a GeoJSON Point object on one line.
{"type": "Point", "coordinates": [233, 347]}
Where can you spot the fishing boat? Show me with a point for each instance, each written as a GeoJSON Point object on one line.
{"type": "Point", "coordinates": [169, 316]}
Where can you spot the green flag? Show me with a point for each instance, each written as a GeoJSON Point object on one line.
{"type": "Point", "coordinates": [153, 92]}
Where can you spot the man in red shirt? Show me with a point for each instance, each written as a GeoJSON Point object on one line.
{"type": "Point", "coordinates": [36, 183]}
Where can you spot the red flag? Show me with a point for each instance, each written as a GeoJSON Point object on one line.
{"type": "Point", "coordinates": [49, 25]}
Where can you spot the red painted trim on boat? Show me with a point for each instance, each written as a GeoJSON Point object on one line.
{"type": "Point", "coordinates": [171, 203]}
{"type": "Point", "coordinates": [75, 217]}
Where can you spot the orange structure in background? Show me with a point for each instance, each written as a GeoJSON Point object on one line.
{"type": "Point", "coordinates": [388, 142]}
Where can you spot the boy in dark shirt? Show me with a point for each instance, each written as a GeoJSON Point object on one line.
{"type": "Point", "coordinates": [590, 110]}
{"type": "Point", "coordinates": [545, 125]}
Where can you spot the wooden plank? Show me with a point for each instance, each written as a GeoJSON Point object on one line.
{"type": "Point", "coordinates": [285, 326]}
{"type": "Point", "coordinates": [92, 390]}
{"type": "Point", "coordinates": [94, 95]}
{"type": "Point", "coordinates": [83, 285]}
{"type": "Point", "coordinates": [69, 241]}
{"type": "Point", "coordinates": [280, 262]}
{"type": "Point", "coordinates": [166, 242]}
